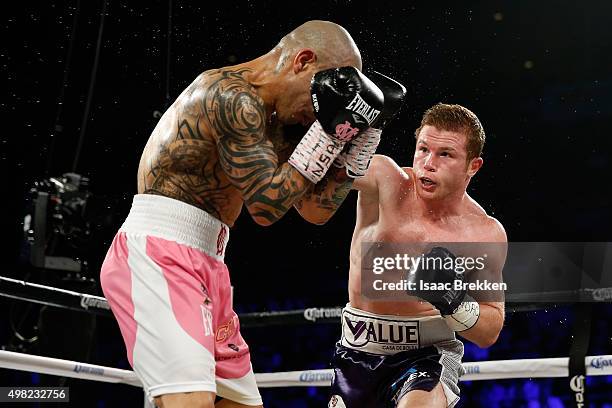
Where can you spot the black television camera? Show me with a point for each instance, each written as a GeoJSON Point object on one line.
{"type": "Point", "coordinates": [56, 226]}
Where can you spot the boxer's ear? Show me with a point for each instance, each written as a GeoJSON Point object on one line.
{"type": "Point", "coordinates": [474, 165]}
{"type": "Point", "coordinates": [303, 58]}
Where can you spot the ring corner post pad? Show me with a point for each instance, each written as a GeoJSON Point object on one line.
{"type": "Point", "coordinates": [578, 350]}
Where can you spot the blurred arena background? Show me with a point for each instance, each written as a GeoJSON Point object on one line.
{"type": "Point", "coordinates": [83, 94]}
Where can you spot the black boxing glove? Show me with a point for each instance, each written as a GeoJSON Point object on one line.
{"type": "Point", "coordinates": [358, 154]}
{"type": "Point", "coordinates": [395, 95]}
{"type": "Point", "coordinates": [460, 311]}
{"type": "Point", "coordinates": [345, 103]}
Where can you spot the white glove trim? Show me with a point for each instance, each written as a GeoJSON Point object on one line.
{"type": "Point", "coordinates": [360, 151]}
{"type": "Point", "coordinates": [315, 153]}
{"type": "Point", "coordinates": [465, 316]}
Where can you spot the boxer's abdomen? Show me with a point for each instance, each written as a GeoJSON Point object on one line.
{"type": "Point", "coordinates": [379, 232]}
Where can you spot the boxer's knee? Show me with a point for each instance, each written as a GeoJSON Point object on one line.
{"type": "Point", "coordinates": [424, 399]}
{"type": "Point", "coordinates": [186, 399]}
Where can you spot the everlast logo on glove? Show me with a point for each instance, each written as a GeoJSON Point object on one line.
{"type": "Point", "coordinates": [345, 131]}
{"type": "Point", "coordinates": [358, 105]}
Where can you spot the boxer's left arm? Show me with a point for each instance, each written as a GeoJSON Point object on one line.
{"type": "Point", "coordinates": [491, 320]}
{"type": "Point", "coordinates": [320, 202]}
{"type": "Point", "coordinates": [489, 325]}
{"type": "Point", "coordinates": [323, 199]}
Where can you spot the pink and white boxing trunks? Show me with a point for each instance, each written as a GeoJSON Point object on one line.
{"type": "Point", "coordinates": [170, 291]}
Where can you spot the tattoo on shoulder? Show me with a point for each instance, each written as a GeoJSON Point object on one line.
{"type": "Point", "coordinates": [248, 157]}
{"type": "Point", "coordinates": [182, 167]}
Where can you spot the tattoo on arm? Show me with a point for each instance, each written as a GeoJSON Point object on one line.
{"type": "Point", "coordinates": [247, 156]}
{"type": "Point", "coordinates": [329, 193]}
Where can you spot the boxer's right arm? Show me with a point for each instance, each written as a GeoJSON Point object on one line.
{"type": "Point", "coordinates": [248, 158]}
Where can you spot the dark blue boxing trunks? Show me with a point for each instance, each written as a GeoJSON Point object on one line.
{"type": "Point", "coordinates": [381, 358]}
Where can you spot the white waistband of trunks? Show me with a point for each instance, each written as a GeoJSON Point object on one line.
{"type": "Point", "coordinates": [177, 221]}
{"type": "Point", "coordinates": [389, 334]}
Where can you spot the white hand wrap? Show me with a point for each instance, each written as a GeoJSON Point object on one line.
{"type": "Point", "coordinates": [465, 316]}
{"type": "Point", "coordinates": [359, 153]}
{"type": "Point", "coordinates": [315, 153]}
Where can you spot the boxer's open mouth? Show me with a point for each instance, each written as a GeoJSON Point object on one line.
{"type": "Point", "coordinates": [427, 183]}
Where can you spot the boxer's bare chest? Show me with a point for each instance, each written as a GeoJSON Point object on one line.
{"type": "Point", "coordinates": [403, 228]}
{"type": "Point", "coordinates": [399, 228]}
{"type": "Point", "coordinates": [401, 220]}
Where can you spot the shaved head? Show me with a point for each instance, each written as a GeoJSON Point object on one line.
{"type": "Point", "coordinates": [332, 44]}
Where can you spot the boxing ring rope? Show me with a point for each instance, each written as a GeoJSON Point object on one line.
{"type": "Point", "coordinates": [482, 370]}
{"type": "Point", "coordinates": [83, 302]}
{"type": "Point", "coordinates": [600, 365]}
